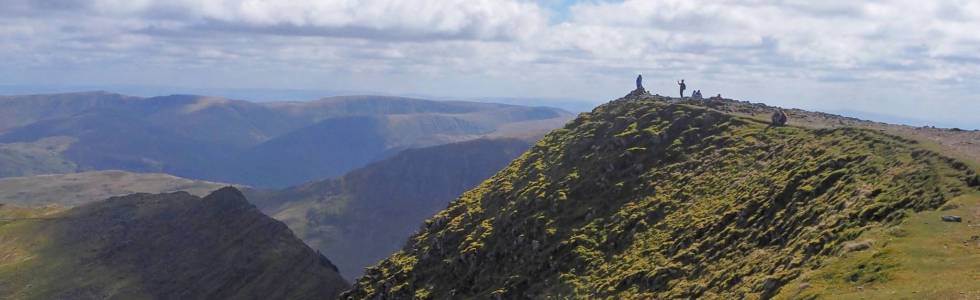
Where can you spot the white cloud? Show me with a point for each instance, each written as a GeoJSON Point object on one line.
{"type": "Point", "coordinates": [812, 49]}
{"type": "Point", "coordinates": [862, 38]}
{"type": "Point", "coordinates": [463, 19]}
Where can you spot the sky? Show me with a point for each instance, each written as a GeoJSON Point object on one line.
{"type": "Point", "coordinates": [916, 62]}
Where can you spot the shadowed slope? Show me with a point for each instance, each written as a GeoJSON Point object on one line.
{"type": "Point", "coordinates": [164, 246]}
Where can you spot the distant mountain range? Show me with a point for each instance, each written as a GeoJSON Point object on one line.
{"type": "Point", "coordinates": [259, 144]}
{"type": "Point", "coordinates": [159, 246]}
{"type": "Point", "coordinates": [365, 215]}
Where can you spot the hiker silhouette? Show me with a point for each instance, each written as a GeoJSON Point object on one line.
{"type": "Point", "coordinates": [682, 86]}
{"type": "Point", "coordinates": [639, 82]}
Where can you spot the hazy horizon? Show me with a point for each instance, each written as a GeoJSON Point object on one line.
{"type": "Point", "coordinates": [869, 58]}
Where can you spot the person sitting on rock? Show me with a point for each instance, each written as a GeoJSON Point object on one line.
{"type": "Point", "coordinates": [778, 118]}
{"type": "Point", "coordinates": [682, 86]}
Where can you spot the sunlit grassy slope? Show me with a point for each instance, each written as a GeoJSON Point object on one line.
{"type": "Point", "coordinates": [918, 258]}
{"type": "Point", "coordinates": [647, 199]}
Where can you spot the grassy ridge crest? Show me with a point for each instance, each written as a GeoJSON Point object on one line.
{"type": "Point", "coordinates": [646, 199]}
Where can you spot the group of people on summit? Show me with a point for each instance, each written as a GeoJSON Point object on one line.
{"type": "Point", "coordinates": [779, 117]}
{"type": "Point", "coordinates": [694, 95]}
{"type": "Point", "coordinates": [683, 86]}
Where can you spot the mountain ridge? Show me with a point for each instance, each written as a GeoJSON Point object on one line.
{"type": "Point", "coordinates": [634, 196]}
{"type": "Point", "coordinates": [74, 189]}
{"type": "Point", "coordinates": [225, 140]}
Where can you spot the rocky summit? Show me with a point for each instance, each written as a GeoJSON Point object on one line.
{"type": "Point", "coordinates": [650, 199]}
{"type": "Point", "coordinates": [163, 246]}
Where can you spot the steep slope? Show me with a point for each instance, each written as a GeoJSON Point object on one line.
{"type": "Point", "coordinates": [366, 215]}
{"type": "Point", "coordinates": [919, 258]}
{"type": "Point", "coordinates": [258, 144]}
{"type": "Point", "coordinates": [164, 246]}
{"type": "Point", "coordinates": [85, 187]}
{"type": "Point", "coordinates": [644, 198]}
{"type": "Point", "coordinates": [43, 156]}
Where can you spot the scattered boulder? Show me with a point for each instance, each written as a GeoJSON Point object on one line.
{"type": "Point", "coordinates": [637, 93]}
{"type": "Point", "coordinates": [952, 219]}
{"type": "Point", "coordinates": [857, 246]}
{"type": "Point", "coordinates": [770, 286]}
{"type": "Point", "coordinates": [975, 181]}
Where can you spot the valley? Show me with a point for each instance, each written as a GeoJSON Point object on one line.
{"type": "Point", "coordinates": [367, 214]}
{"type": "Point", "coordinates": [268, 144]}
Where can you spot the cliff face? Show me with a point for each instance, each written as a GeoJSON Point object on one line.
{"type": "Point", "coordinates": [164, 246]}
{"type": "Point", "coordinates": [648, 199]}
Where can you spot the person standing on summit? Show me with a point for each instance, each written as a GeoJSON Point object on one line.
{"type": "Point", "coordinates": [683, 87]}
{"type": "Point", "coordinates": [639, 82]}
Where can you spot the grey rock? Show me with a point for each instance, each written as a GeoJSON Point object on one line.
{"type": "Point", "coordinates": [952, 219]}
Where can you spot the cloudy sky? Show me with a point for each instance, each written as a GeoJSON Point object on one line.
{"type": "Point", "coordinates": [914, 61]}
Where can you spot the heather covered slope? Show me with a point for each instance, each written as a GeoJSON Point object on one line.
{"type": "Point", "coordinates": [360, 218]}
{"type": "Point", "coordinates": [646, 199]}
{"type": "Point", "coordinates": [164, 246]}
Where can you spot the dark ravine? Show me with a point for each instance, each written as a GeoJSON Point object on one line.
{"type": "Point", "coordinates": [650, 199]}
{"type": "Point", "coordinates": [360, 218]}
{"type": "Point", "coordinates": [163, 246]}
